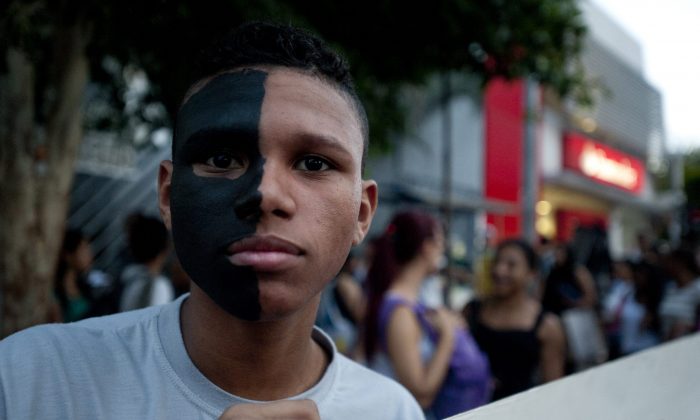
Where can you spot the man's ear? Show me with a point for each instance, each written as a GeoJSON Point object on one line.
{"type": "Point", "coordinates": [165, 174]}
{"type": "Point", "coordinates": [368, 206]}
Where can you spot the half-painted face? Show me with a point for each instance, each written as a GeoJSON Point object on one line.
{"type": "Point", "coordinates": [265, 195]}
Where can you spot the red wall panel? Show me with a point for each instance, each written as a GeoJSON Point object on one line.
{"type": "Point", "coordinates": [569, 220]}
{"type": "Point", "coordinates": [504, 118]}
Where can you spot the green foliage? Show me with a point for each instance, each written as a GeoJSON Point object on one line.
{"type": "Point", "coordinates": [389, 43]}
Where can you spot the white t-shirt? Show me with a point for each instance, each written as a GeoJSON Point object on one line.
{"type": "Point", "coordinates": [679, 305]}
{"type": "Point", "coordinates": [633, 335]}
{"type": "Point", "coordinates": [134, 366]}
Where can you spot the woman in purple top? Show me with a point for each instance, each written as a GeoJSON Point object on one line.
{"type": "Point", "coordinates": [428, 350]}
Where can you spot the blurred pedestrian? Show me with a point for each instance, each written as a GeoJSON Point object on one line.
{"type": "Point", "coordinates": [143, 282]}
{"type": "Point", "coordinates": [631, 309]}
{"type": "Point", "coordinates": [70, 286]}
{"type": "Point", "coordinates": [679, 306]}
{"type": "Point", "coordinates": [598, 262]}
{"type": "Point", "coordinates": [570, 292]}
{"type": "Point", "coordinates": [569, 284]}
{"type": "Point", "coordinates": [342, 308]}
{"type": "Point", "coordinates": [521, 340]}
{"type": "Point", "coordinates": [546, 252]}
{"type": "Point", "coordinates": [621, 290]}
{"type": "Point", "coordinates": [428, 350]}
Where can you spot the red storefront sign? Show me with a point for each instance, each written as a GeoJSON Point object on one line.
{"type": "Point", "coordinates": [603, 164]}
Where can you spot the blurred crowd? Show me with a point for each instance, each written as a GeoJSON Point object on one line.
{"type": "Point", "coordinates": [150, 274]}
{"type": "Point", "coordinates": [532, 314]}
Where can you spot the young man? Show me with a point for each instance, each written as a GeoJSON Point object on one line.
{"type": "Point", "coordinates": [264, 197]}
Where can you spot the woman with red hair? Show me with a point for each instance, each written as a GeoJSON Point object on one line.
{"type": "Point", "coordinates": [428, 350]}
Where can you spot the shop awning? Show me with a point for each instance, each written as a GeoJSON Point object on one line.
{"type": "Point", "coordinates": [654, 202]}
{"type": "Point", "coordinates": [431, 197]}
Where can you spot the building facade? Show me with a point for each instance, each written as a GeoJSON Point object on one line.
{"type": "Point", "coordinates": [521, 162]}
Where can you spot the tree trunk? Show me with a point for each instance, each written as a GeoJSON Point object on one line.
{"type": "Point", "coordinates": [36, 170]}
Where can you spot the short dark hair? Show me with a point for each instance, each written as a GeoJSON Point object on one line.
{"type": "Point", "coordinates": [274, 44]}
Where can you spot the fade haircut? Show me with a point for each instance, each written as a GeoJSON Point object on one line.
{"type": "Point", "coordinates": [279, 45]}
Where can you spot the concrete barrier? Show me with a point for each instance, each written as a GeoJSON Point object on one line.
{"type": "Point", "coordinates": [662, 383]}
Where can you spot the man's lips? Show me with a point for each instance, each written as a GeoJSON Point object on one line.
{"type": "Point", "coordinates": [264, 253]}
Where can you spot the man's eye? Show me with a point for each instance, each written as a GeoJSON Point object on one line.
{"type": "Point", "coordinates": [225, 161]}
{"type": "Point", "coordinates": [313, 164]}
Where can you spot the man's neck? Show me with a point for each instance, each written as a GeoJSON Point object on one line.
{"type": "Point", "coordinates": [264, 361]}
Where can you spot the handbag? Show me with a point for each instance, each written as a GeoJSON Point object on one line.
{"type": "Point", "coordinates": [585, 337]}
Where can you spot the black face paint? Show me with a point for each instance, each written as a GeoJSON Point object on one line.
{"type": "Point", "coordinates": [210, 213]}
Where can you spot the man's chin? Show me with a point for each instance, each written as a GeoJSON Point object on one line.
{"type": "Point", "coordinates": [242, 304]}
{"type": "Point", "coordinates": [280, 304]}
{"type": "Point", "coordinates": [265, 310]}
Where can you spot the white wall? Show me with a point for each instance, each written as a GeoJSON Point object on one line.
{"type": "Point", "coordinates": [625, 223]}
{"type": "Point", "coordinates": [550, 148]}
{"type": "Point", "coordinates": [659, 384]}
{"type": "Point", "coordinates": [609, 33]}
{"type": "Point", "coordinates": [416, 162]}
{"type": "Point", "coordinates": [421, 156]}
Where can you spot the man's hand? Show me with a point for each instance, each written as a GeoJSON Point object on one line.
{"type": "Point", "coordinates": [278, 410]}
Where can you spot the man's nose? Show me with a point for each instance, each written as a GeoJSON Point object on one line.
{"type": "Point", "coordinates": [276, 191]}
{"type": "Point", "coordinates": [247, 207]}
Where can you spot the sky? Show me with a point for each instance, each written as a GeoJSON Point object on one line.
{"type": "Point", "coordinates": [669, 33]}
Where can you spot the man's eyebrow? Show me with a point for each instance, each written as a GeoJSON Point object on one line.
{"type": "Point", "coordinates": [203, 141]}
{"type": "Point", "coordinates": [325, 141]}
{"type": "Point", "coordinates": [222, 135]}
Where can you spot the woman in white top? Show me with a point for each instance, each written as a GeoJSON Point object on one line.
{"type": "Point", "coordinates": [631, 308]}
{"type": "Point", "coordinates": [679, 307]}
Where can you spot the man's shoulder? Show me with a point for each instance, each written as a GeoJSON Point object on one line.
{"type": "Point", "coordinates": [118, 359]}
{"type": "Point", "coordinates": [376, 391]}
{"type": "Point", "coordinates": [352, 370]}
{"type": "Point", "coordinates": [33, 338]}
{"type": "Point", "coordinates": [48, 339]}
